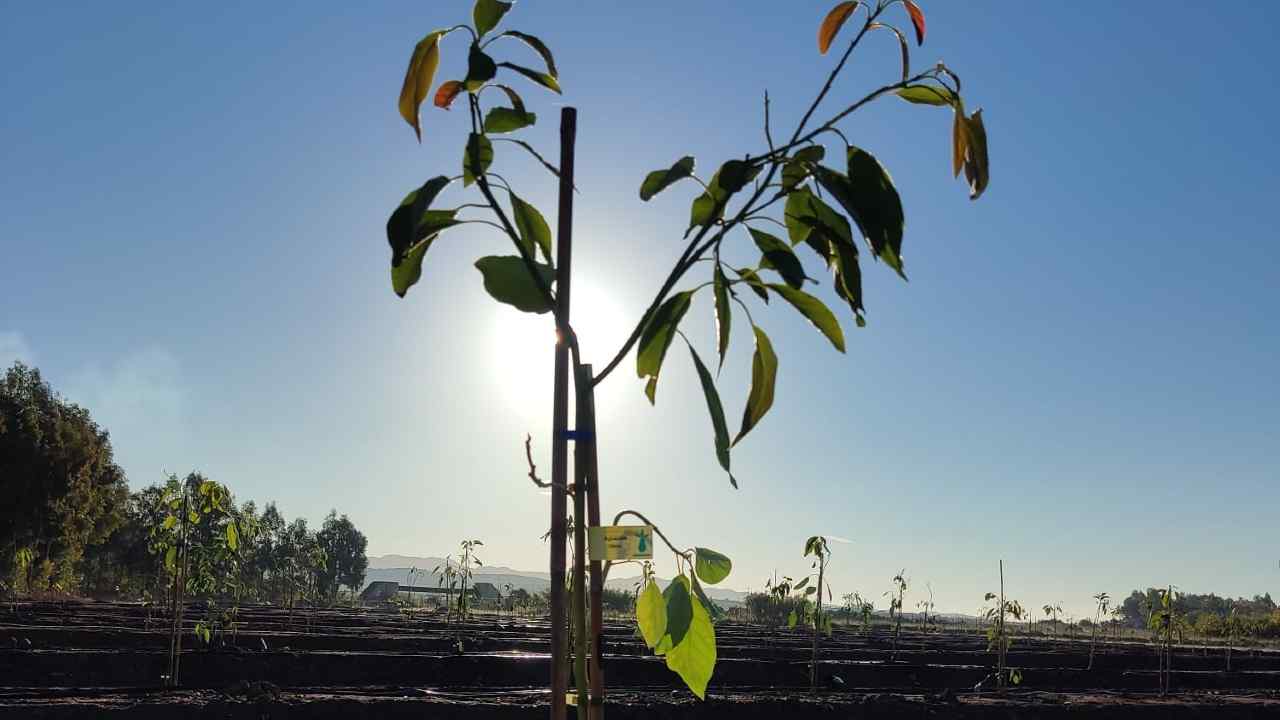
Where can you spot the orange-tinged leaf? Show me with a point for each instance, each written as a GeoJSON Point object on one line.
{"type": "Point", "coordinates": [917, 19]}
{"type": "Point", "coordinates": [833, 22]}
{"type": "Point", "coordinates": [959, 140]}
{"type": "Point", "coordinates": [417, 79]}
{"type": "Point", "coordinates": [447, 92]}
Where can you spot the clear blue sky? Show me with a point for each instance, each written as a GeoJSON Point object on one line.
{"type": "Point", "coordinates": [1079, 378]}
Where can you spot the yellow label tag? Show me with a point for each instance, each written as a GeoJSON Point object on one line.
{"type": "Point", "coordinates": [571, 699]}
{"type": "Point", "coordinates": [621, 542]}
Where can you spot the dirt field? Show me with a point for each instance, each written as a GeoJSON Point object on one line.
{"type": "Point", "coordinates": [92, 660]}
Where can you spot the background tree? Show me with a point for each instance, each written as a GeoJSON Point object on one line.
{"type": "Point", "coordinates": [344, 548]}
{"type": "Point", "coordinates": [63, 490]}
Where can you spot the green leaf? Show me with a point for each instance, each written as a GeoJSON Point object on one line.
{"type": "Point", "coordinates": [651, 389]}
{"type": "Point", "coordinates": [233, 537]}
{"type": "Point", "coordinates": [800, 166]}
{"type": "Point", "coordinates": [778, 256]}
{"type": "Point", "coordinates": [815, 311]}
{"type": "Point", "coordinates": [729, 179]}
{"type": "Point", "coordinates": [679, 609]}
{"type": "Point", "coordinates": [868, 195]}
{"type": "Point", "coordinates": [480, 69]}
{"type": "Point", "coordinates": [547, 81]}
{"type": "Point", "coordinates": [403, 225]}
{"type": "Point", "coordinates": [847, 274]}
{"type": "Point", "coordinates": [657, 336]}
{"type": "Point", "coordinates": [928, 95]}
{"type": "Point", "coordinates": [711, 566]}
{"type": "Point", "coordinates": [764, 372]}
{"type": "Point", "coordinates": [659, 180]}
{"type": "Point", "coordinates": [535, 234]}
{"type": "Point", "coordinates": [504, 120]}
{"type": "Point", "coordinates": [507, 280]}
{"type": "Point", "coordinates": [791, 619]}
{"type": "Point", "coordinates": [171, 558]}
{"type": "Point", "coordinates": [724, 316]}
{"type": "Point", "coordinates": [486, 14]}
{"type": "Point", "coordinates": [169, 522]}
{"type": "Point", "coordinates": [800, 585]}
{"type": "Point", "coordinates": [651, 614]}
{"type": "Point", "coordinates": [812, 221]}
{"type": "Point", "coordinates": [477, 145]}
{"type": "Point", "coordinates": [409, 271]}
{"type": "Point", "coordinates": [754, 282]}
{"type": "Point", "coordinates": [538, 46]}
{"type": "Point", "coordinates": [976, 168]}
{"type": "Point", "coordinates": [694, 659]}
{"type": "Point", "coordinates": [717, 414]}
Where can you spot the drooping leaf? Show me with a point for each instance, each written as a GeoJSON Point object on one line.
{"type": "Point", "coordinates": [403, 225]}
{"type": "Point", "coordinates": [171, 558]}
{"type": "Point", "coordinates": [917, 20]}
{"type": "Point", "coordinates": [815, 311]}
{"type": "Point", "coordinates": [651, 389]}
{"type": "Point", "coordinates": [832, 23]}
{"type": "Point", "coordinates": [791, 619]}
{"type": "Point", "coordinates": [813, 221]}
{"type": "Point", "coordinates": [480, 69]}
{"type": "Point", "coordinates": [659, 180]}
{"type": "Point", "coordinates": [233, 537]}
{"type": "Point", "coordinates": [716, 411]}
{"type": "Point", "coordinates": [778, 256]}
{"type": "Point", "coordinates": [711, 566]}
{"type": "Point", "coordinates": [657, 335]}
{"type": "Point", "coordinates": [754, 282]}
{"type": "Point", "coordinates": [905, 47]}
{"type": "Point", "coordinates": [927, 95]}
{"type": "Point", "coordinates": [651, 614]}
{"type": "Point", "coordinates": [486, 14]}
{"type": "Point", "coordinates": [724, 316]}
{"type": "Point", "coordinates": [959, 138]}
{"type": "Point", "coordinates": [534, 232]}
{"type": "Point", "coordinates": [735, 174]}
{"type": "Point", "coordinates": [800, 585]}
{"type": "Point", "coordinates": [507, 280]}
{"type": "Point", "coordinates": [868, 195]}
{"type": "Point", "coordinates": [504, 120]}
{"type": "Point", "coordinates": [538, 46]}
{"type": "Point", "coordinates": [694, 658]}
{"type": "Point", "coordinates": [764, 373]}
{"type": "Point", "coordinates": [976, 169]}
{"type": "Point", "coordinates": [447, 93]}
{"type": "Point", "coordinates": [169, 522]}
{"type": "Point", "coordinates": [545, 80]}
{"type": "Point", "coordinates": [478, 146]}
{"type": "Point", "coordinates": [848, 277]}
{"type": "Point", "coordinates": [418, 78]}
{"type": "Point", "coordinates": [409, 271]}
{"type": "Point", "coordinates": [679, 609]}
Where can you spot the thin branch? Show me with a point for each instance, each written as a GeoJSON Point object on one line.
{"type": "Point", "coordinates": [768, 135]}
{"type": "Point", "coordinates": [533, 469]}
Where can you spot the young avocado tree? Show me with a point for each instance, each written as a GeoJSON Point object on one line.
{"type": "Point", "coordinates": [783, 184]}
{"type": "Point", "coordinates": [998, 636]}
{"type": "Point", "coordinates": [857, 606]}
{"type": "Point", "coordinates": [817, 548]}
{"type": "Point", "coordinates": [895, 609]}
{"type": "Point", "coordinates": [1102, 600]}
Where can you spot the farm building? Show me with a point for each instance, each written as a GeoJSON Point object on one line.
{"type": "Point", "coordinates": [381, 591]}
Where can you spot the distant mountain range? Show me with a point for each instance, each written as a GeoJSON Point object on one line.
{"type": "Point", "coordinates": [397, 568]}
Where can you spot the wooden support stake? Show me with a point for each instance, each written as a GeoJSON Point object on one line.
{"type": "Point", "coordinates": [560, 419]}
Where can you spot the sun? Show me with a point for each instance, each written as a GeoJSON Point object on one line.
{"type": "Point", "coordinates": [523, 347]}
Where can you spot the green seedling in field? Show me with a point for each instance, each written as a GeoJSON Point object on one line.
{"type": "Point", "coordinates": [926, 606]}
{"type": "Point", "coordinates": [784, 184]}
{"type": "Point", "coordinates": [895, 609]}
{"type": "Point", "coordinates": [1166, 623]}
{"type": "Point", "coordinates": [1053, 611]}
{"type": "Point", "coordinates": [1102, 600]}
{"type": "Point", "coordinates": [857, 606]}
{"type": "Point", "coordinates": [817, 548]}
{"type": "Point", "coordinates": [998, 637]}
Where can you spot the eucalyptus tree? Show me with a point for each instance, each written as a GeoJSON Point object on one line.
{"type": "Point", "coordinates": [786, 184]}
